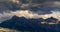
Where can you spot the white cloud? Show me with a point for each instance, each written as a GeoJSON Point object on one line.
{"type": "Point", "coordinates": [28, 14]}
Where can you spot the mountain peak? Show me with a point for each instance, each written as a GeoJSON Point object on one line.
{"type": "Point", "coordinates": [51, 19]}
{"type": "Point", "coordinates": [16, 17]}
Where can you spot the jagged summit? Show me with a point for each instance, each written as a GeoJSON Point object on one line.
{"type": "Point", "coordinates": [51, 19]}
{"type": "Point", "coordinates": [16, 18]}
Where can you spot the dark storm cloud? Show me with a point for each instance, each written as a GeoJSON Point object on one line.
{"type": "Point", "coordinates": [37, 6]}
{"type": "Point", "coordinates": [4, 6]}
{"type": "Point", "coordinates": [19, 8]}
{"type": "Point", "coordinates": [33, 1]}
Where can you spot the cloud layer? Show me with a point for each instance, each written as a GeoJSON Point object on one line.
{"type": "Point", "coordinates": [34, 9]}
{"type": "Point", "coordinates": [44, 7]}
{"type": "Point", "coordinates": [28, 14]}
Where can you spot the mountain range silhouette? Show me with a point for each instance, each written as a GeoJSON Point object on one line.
{"type": "Point", "coordinates": [22, 23]}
